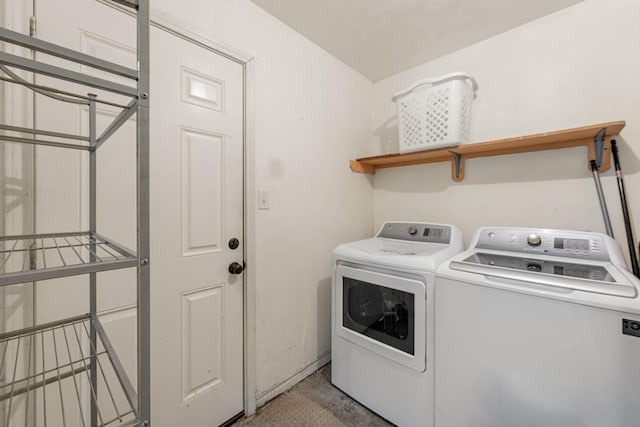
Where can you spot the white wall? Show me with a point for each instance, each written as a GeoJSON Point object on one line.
{"type": "Point", "coordinates": [312, 115]}
{"type": "Point", "coordinates": [577, 67]}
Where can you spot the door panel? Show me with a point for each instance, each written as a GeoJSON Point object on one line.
{"type": "Point", "coordinates": [202, 340]}
{"type": "Point", "coordinates": [202, 168]}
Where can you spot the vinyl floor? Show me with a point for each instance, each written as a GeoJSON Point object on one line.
{"type": "Point", "coordinates": [313, 402]}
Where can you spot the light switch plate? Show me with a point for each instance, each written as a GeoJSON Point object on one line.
{"type": "Point", "coordinates": [263, 200]}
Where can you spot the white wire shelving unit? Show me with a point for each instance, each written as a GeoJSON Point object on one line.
{"type": "Point", "coordinates": [67, 372]}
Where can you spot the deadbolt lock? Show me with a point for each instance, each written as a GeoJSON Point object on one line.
{"type": "Point", "coordinates": [234, 243]}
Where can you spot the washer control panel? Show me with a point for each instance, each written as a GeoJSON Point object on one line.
{"type": "Point", "coordinates": [571, 244]}
{"type": "Point", "coordinates": [416, 232]}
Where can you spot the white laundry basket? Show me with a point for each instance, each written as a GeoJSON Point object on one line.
{"type": "Point", "coordinates": [435, 113]}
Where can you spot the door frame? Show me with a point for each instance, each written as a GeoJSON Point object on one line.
{"type": "Point", "coordinates": [249, 295]}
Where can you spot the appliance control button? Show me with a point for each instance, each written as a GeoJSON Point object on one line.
{"type": "Point", "coordinates": [413, 230]}
{"type": "Point", "coordinates": [534, 239]}
{"type": "Point", "coordinates": [532, 266]}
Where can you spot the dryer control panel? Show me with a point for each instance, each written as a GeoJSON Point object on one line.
{"type": "Point", "coordinates": [562, 243]}
{"type": "Point", "coordinates": [416, 232]}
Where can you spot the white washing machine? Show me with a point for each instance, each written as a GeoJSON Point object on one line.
{"type": "Point", "coordinates": [537, 328]}
{"type": "Point", "coordinates": [382, 318]}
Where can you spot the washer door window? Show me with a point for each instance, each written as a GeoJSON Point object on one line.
{"type": "Point", "coordinates": [382, 313]}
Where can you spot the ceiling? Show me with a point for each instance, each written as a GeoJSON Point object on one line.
{"type": "Point", "coordinates": [380, 38]}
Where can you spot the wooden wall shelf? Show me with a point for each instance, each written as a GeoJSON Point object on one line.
{"type": "Point", "coordinates": [576, 137]}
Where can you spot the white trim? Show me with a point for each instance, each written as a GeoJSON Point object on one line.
{"type": "Point", "coordinates": [285, 385]}
{"type": "Point", "coordinates": [250, 311]}
{"type": "Point", "coordinates": [180, 30]}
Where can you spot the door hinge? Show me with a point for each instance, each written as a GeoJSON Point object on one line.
{"type": "Point", "coordinates": [32, 26]}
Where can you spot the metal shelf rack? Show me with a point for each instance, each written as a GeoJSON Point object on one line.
{"type": "Point", "coordinates": [68, 369]}
{"type": "Point", "coordinates": [61, 368]}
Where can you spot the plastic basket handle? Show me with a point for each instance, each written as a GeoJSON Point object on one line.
{"type": "Point", "coordinates": [435, 80]}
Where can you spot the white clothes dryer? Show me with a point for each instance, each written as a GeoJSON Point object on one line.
{"type": "Point", "coordinates": [382, 318]}
{"type": "Point", "coordinates": [539, 328]}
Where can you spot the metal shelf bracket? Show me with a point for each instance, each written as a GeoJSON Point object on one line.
{"type": "Point", "coordinates": [598, 146]}
{"type": "Point", "coordinates": [457, 166]}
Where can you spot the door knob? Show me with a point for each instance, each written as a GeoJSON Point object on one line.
{"type": "Point", "coordinates": [235, 268]}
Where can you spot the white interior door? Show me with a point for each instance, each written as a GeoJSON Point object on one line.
{"type": "Point", "coordinates": [196, 208]}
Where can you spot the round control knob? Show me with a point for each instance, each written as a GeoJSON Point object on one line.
{"type": "Point", "coordinates": [534, 239]}
{"type": "Point", "coordinates": [534, 267]}
{"type": "Point", "coordinates": [413, 230]}
{"type": "Point", "coordinates": [235, 268]}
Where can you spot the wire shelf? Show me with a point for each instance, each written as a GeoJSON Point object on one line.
{"type": "Point", "coordinates": [47, 256]}
{"type": "Point", "coordinates": [46, 377]}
